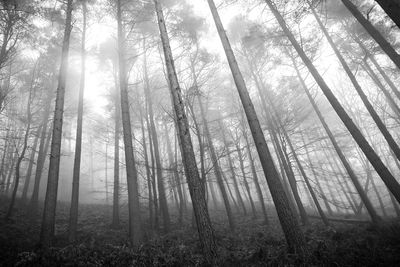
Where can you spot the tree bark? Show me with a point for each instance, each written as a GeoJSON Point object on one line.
{"type": "Point", "coordinates": [291, 228]}
{"type": "Point", "coordinates": [196, 189]}
{"type": "Point", "coordinates": [49, 213]}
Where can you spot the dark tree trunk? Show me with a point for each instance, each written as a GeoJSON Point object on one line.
{"type": "Point", "coordinates": [73, 215]}
{"type": "Point", "coordinates": [136, 233]}
{"type": "Point", "coordinates": [204, 227]}
{"type": "Point", "coordinates": [49, 213]}
{"type": "Point", "coordinates": [291, 228]}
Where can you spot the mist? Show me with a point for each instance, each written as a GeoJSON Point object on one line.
{"type": "Point", "coordinates": [199, 133]}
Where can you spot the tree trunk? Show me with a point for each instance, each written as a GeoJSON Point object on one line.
{"type": "Point", "coordinates": [49, 213]}
{"type": "Point", "coordinates": [6, 151]}
{"type": "Point", "coordinates": [43, 150]}
{"type": "Point", "coordinates": [160, 181]}
{"type": "Point", "coordinates": [375, 63]}
{"type": "Point", "coordinates": [115, 217]}
{"type": "Point", "coordinates": [136, 233]}
{"type": "Point", "coordinates": [380, 168]}
{"type": "Point", "coordinates": [382, 127]}
{"type": "Point", "coordinates": [153, 173]}
{"type": "Point", "coordinates": [246, 184]}
{"type": "Point", "coordinates": [21, 155]}
{"type": "Point", "coordinates": [316, 178]}
{"type": "Point", "coordinates": [291, 228]}
{"type": "Point", "coordinates": [281, 152]}
{"type": "Point", "coordinates": [147, 167]}
{"type": "Point", "coordinates": [73, 215]}
{"type": "Point", "coordinates": [30, 166]}
{"type": "Point", "coordinates": [392, 103]}
{"type": "Point", "coordinates": [196, 189]}
{"type": "Point", "coordinates": [14, 158]}
{"type": "Point", "coordinates": [175, 175]}
{"type": "Point", "coordinates": [385, 45]}
{"type": "Point", "coordinates": [231, 168]}
{"type": "Point", "coordinates": [216, 166]}
{"type": "Point", "coordinates": [303, 173]}
{"type": "Point", "coordinates": [392, 8]}
{"type": "Point", "coordinates": [256, 182]}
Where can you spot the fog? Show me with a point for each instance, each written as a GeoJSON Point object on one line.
{"type": "Point", "coordinates": [199, 133]}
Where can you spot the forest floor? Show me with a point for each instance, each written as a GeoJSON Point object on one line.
{"type": "Point", "coordinates": [252, 244]}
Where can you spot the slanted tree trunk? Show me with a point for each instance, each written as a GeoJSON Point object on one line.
{"type": "Point", "coordinates": [392, 103]}
{"type": "Point", "coordinates": [291, 228]}
{"type": "Point", "coordinates": [30, 165]}
{"type": "Point", "coordinates": [256, 182]}
{"type": "Point", "coordinates": [380, 168]}
{"type": "Point", "coordinates": [245, 182]}
{"type": "Point", "coordinates": [310, 189]}
{"type": "Point", "coordinates": [231, 168]}
{"type": "Point", "coordinates": [375, 63]}
{"type": "Point", "coordinates": [381, 126]}
{"type": "Point", "coordinates": [385, 45]}
{"type": "Point", "coordinates": [73, 214]}
{"type": "Point", "coordinates": [43, 150]}
{"type": "Point", "coordinates": [339, 152]}
{"type": "Point", "coordinates": [49, 213]}
{"type": "Point", "coordinates": [136, 233]}
{"type": "Point", "coordinates": [316, 178]}
{"type": "Point", "coordinates": [216, 167]}
{"type": "Point", "coordinates": [281, 153]}
{"type": "Point", "coordinates": [196, 189]}
{"type": "Point", "coordinates": [392, 8]}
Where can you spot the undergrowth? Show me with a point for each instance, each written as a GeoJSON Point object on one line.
{"type": "Point", "coordinates": [252, 244]}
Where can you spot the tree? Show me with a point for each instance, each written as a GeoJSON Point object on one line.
{"type": "Point", "coordinates": [73, 217]}
{"type": "Point", "coordinates": [392, 8]}
{"type": "Point", "coordinates": [160, 181]}
{"type": "Point", "coordinates": [385, 45]}
{"type": "Point", "coordinates": [294, 236]}
{"type": "Point", "coordinates": [135, 223]}
{"type": "Point", "coordinates": [21, 155]}
{"type": "Point", "coordinates": [49, 213]}
{"type": "Point", "coordinates": [196, 189]}
{"type": "Point", "coordinates": [379, 166]}
{"type": "Point", "coordinates": [389, 138]}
